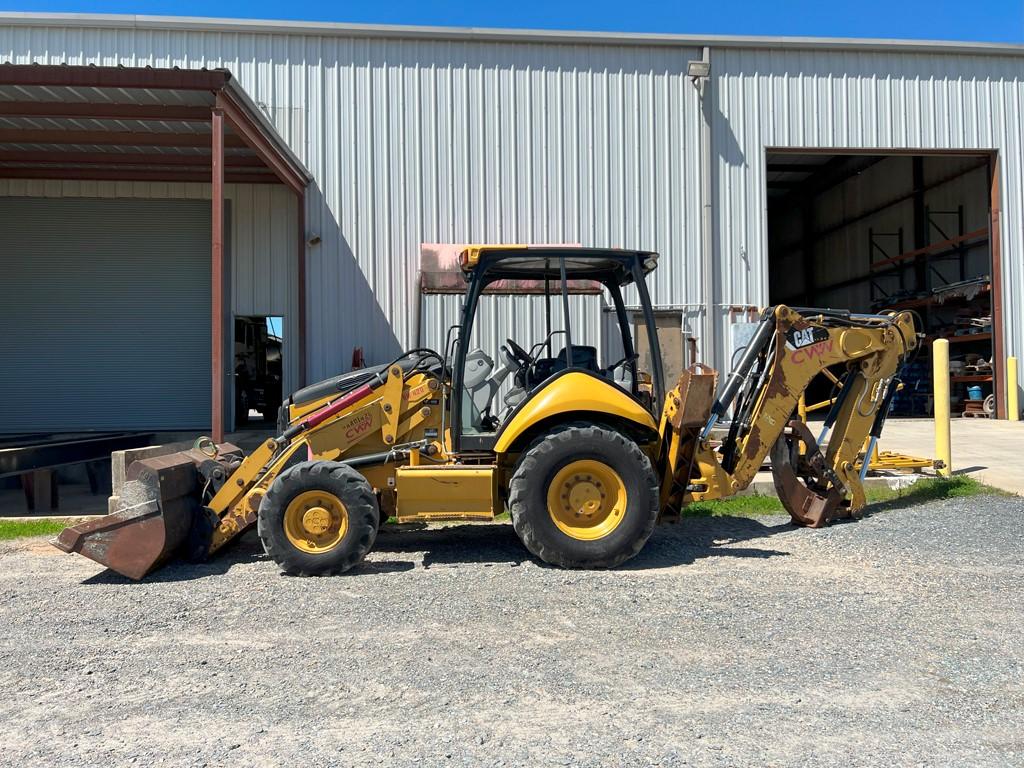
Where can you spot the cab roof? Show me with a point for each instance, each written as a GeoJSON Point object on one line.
{"type": "Point", "coordinates": [536, 262]}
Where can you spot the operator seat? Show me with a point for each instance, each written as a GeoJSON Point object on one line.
{"type": "Point", "coordinates": [582, 357]}
{"type": "Point", "coordinates": [482, 383]}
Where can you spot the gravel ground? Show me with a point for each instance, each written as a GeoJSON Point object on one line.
{"type": "Point", "coordinates": [895, 640]}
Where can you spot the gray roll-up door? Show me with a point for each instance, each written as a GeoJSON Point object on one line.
{"type": "Point", "coordinates": [105, 314]}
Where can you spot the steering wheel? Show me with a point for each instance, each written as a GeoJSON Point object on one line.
{"type": "Point", "coordinates": [519, 355]}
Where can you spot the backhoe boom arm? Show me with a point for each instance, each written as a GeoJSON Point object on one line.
{"type": "Point", "coordinates": [789, 349]}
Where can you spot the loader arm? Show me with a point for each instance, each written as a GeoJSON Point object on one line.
{"type": "Point", "coordinates": [788, 351]}
{"type": "Point", "coordinates": [386, 412]}
{"type": "Point", "coordinates": [199, 500]}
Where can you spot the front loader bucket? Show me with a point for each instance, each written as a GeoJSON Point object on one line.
{"type": "Point", "coordinates": [158, 506]}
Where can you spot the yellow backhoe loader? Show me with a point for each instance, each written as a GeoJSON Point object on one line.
{"type": "Point", "coordinates": [586, 458]}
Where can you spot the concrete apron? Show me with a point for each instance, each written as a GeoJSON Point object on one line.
{"type": "Point", "coordinates": [989, 450]}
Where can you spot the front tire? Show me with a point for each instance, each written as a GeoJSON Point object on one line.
{"type": "Point", "coordinates": [584, 496]}
{"type": "Point", "coordinates": [318, 518]}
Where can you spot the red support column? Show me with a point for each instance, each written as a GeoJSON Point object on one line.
{"type": "Point", "coordinates": [301, 309]}
{"type": "Point", "coordinates": [217, 278]}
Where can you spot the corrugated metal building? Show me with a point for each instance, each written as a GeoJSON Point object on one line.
{"type": "Point", "coordinates": [424, 135]}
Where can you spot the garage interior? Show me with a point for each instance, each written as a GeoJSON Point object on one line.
{"type": "Point", "coordinates": [258, 372]}
{"type": "Point", "coordinates": [118, 306]}
{"type": "Point", "coordinates": [871, 233]}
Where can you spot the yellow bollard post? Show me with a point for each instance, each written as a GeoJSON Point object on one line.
{"type": "Point", "coordinates": [1012, 406]}
{"type": "Point", "coordinates": [940, 381]}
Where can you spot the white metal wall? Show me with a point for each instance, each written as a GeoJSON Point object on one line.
{"type": "Point", "coordinates": [261, 241]}
{"type": "Point", "coordinates": [520, 317]}
{"type": "Point", "coordinates": [420, 140]}
{"type": "Point", "coordinates": [415, 141]}
{"type": "Point", "coordinates": [858, 99]}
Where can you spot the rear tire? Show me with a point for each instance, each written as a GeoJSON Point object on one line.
{"type": "Point", "coordinates": [318, 518]}
{"type": "Point", "coordinates": [584, 496]}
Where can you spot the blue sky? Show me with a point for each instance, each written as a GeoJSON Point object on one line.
{"type": "Point", "coordinates": [995, 20]}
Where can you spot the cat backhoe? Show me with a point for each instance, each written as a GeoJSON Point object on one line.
{"type": "Point", "coordinates": [586, 458]}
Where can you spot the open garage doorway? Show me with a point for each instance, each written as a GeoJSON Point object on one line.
{"type": "Point", "coordinates": [257, 370]}
{"type": "Point", "coordinates": [878, 232]}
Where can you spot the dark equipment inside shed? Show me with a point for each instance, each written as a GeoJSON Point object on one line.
{"type": "Point", "coordinates": [878, 232]}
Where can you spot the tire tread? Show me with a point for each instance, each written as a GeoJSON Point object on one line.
{"type": "Point", "coordinates": [359, 500]}
{"type": "Point", "coordinates": [530, 467]}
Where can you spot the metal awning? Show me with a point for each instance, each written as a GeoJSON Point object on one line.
{"type": "Point", "coordinates": [135, 123]}
{"type": "Point", "coordinates": [149, 124]}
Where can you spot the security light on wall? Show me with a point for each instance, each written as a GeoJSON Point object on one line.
{"type": "Point", "coordinates": [697, 69]}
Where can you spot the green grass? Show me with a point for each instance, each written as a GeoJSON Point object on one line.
{"type": "Point", "coordinates": [735, 506]}
{"type": "Point", "coordinates": [20, 529]}
{"type": "Point", "coordinates": [880, 498]}
{"type": "Point", "coordinates": [925, 491]}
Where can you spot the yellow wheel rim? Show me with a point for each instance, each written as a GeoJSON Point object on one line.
{"type": "Point", "coordinates": [315, 521]}
{"type": "Point", "coordinates": [587, 500]}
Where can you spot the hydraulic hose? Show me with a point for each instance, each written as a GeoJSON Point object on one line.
{"type": "Point", "coordinates": [876, 426]}
{"type": "Point", "coordinates": [734, 382]}
{"type": "Point", "coordinates": [336, 406]}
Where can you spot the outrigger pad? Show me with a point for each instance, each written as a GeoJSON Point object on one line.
{"type": "Point", "coordinates": [158, 506]}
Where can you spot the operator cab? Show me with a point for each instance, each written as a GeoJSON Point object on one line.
{"type": "Point", "coordinates": [553, 290]}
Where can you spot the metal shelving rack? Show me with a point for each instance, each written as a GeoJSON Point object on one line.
{"type": "Point", "coordinates": [919, 265]}
{"type": "Point", "coordinates": [899, 278]}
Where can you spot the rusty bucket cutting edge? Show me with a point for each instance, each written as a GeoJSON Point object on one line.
{"type": "Point", "coordinates": [159, 503]}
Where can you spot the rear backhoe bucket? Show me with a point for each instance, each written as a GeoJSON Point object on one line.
{"type": "Point", "coordinates": [159, 504]}
{"type": "Point", "coordinates": [793, 473]}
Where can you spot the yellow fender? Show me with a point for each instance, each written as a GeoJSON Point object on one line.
{"type": "Point", "coordinates": [574, 392]}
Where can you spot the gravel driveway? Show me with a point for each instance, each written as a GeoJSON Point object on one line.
{"type": "Point", "coordinates": [895, 640]}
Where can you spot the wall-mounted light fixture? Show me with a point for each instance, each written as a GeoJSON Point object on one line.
{"type": "Point", "coordinates": [698, 69]}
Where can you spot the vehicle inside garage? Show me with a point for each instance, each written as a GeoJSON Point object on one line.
{"type": "Point", "coordinates": [872, 233]}
{"type": "Point", "coordinates": [258, 372]}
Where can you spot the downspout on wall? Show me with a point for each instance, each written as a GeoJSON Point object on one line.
{"type": "Point", "coordinates": [703, 86]}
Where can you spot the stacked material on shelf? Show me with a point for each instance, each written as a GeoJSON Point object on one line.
{"type": "Point", "coordinates": [966, 289]}
{"type": "Point", "coordinates": [915, 397]}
